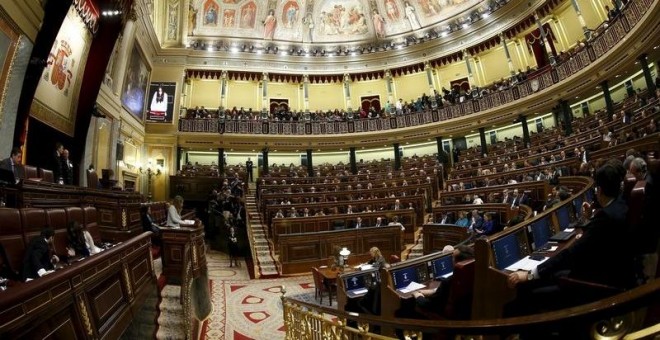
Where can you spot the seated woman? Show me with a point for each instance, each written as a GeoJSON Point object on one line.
{"type": "Point", "coordinates": [76, 246]}
{"type": "Point", "coordinates": [462, 219]}
{"type": "Point", "coordinates": [174, 214]}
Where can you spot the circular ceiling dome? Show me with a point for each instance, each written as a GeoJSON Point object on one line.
{"type": "Point", "coordinates": [328, 22]}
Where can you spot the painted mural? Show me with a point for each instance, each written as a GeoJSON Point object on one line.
{"type": "Point", "coordinates": [134, 90]}
{"type": "Point", "coordinates": [322, 21]}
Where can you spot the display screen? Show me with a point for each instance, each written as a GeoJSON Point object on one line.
{"type": "Point", "coordinates": [506, 251]}
{"type": "Point", "coordinates": [541, 232]}
{"type": "Point", "coordinates": [442, 266]}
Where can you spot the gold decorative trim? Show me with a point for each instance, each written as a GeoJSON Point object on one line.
{"type": "Point", "coordinates": [127, 281]}
{"type": "Point", "coordinates": [124, 218]}
{"type": "Point", "coordinates": [85, 316]}
{"type": "Point", "coordinates": [51, 117]}
{"type": "Point", "coordinates": [8, 28]}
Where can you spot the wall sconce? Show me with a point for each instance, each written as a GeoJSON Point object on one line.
{"type": "Point", "coordinates": [151, 170]}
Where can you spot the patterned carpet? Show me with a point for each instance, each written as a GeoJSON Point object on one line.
{"type": "Point", "coordinates": [249, 309]}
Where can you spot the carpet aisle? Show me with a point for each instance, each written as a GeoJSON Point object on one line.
{"type": "Point", "coordinates": [265, 262]}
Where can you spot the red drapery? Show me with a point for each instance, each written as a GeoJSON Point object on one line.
{"type": "Point", "coordinates": [367, 102]}
{"type": "Point", "coordinates": [534, 39]}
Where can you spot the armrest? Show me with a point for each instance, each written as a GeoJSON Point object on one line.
{"type": "Point", "coordinates": [588, 286]}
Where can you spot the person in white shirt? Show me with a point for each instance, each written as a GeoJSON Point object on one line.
{"type": "Point", "coordinates": [477, 200]}
{"type": "Point", "coordinates": [174, 213]}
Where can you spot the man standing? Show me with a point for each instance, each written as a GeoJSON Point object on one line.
{"type": "Point", "coordinates": [57, 163]}
{"type": "Point", "coordinates": [13, 163]}
{"type": "Point", "coordinates": [67, 168]}
{"type": "Point", "coordinates": [249, 166]}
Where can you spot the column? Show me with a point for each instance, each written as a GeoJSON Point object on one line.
{"type": "Point", "coordinates": [264, 153]}
{"type": "Point", "coordinates": [310, 165]}
{"type": "Point", "coordinates": [397, 157]}
{"type": "Point", "coordinates": [568, 117]}
{"type": "Point", "coordinates": [179, 150]}
{"type": "Point", "coordinates": [609, 103]}
{"type": "Point", "coordinates": [585, 29]}
{"type": "Point", "coordinates": [351, 154]}
{"type": "Point", "coordinates": [650, 84]}
{"type": "Point", "coordinates": [482, 137]}
{"type": "Point", "coordinates": [124, 51]}
{"type": "Point", "coordinates": [443, 157]}
{"type": "Point", "coordinates": [508, 55]}
{"type": "Point", "coordinates": [221, 162]}
{"type": "Point", "coordinates": [306, 92]}
{"type": "Point", "coordinates": [223, 90]}
{"type": "Point", "coordinates": [347, 92]}
{"type": "Point", "coordinates": [525, 128]}
{"type": "Point", "coordinates": [390, 94]}
{"type": "Point", "coordinates": [429, 77]}
{"type": "Point", "coordinates": [466, 57]}
{"type": "Point", "coordinates": [544, 41]}
{"type": "Point", "coordinates": [265, 107]}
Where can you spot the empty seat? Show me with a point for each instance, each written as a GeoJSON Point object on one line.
{"type": "Point", "coordinates": [46, 175]}
{"type": "Point", "coordinates": [58, 222]}
{"type": "Point", "coordinates": [11, 237]}
{"type": "Point", "coordinates": [31, 172]}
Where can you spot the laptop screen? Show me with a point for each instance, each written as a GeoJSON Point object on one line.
{"type": "Point", "coordinates": [442, 266]}
{"type": "Point", "coordinates": [541, 232]}
{"type": "Point", "coordinates": [403, 277]}
{"type": "Point", "coordinates": [355, 282]}
{"type": "Point", "coordinates": [506, 251]}
{"type": "Point", "coordinates": [563, 216]}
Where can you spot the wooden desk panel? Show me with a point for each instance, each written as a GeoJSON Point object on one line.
{"type": "Point", "coordinates": [300, 252]}
{"type": "Point", "coordinates": [173, 249]}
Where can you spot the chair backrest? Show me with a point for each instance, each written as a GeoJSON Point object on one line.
{"type": "Point", "coordinates": [394, 259]}
{"type": "Point", "coordinates": [92, 179]}
{"type": "Point", "coordinates": [46, 175]}
{"type": "Point", "coordinates": [91, 221]}
{"type": "Point", "coordinates": [31, 172]}
{"type": "Point", "coordinates": [11, 237]}
{"type": "Point", "coordinates": [33, 220]}
{"type": "Point", "coordinates": [318, 279]}
{"type": "Point", "coordinates": [58, 222]}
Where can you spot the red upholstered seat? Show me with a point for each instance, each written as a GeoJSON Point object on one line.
{"type": "Point", "coordinates": [46, 175]}
{"type": "Point", "coordinates": [11, 237]}
{"type": "Point", "coordinates": [33, 220]}
{"type": "Point", "coordinates": [91, 221]}
{"type": "Point", "coordinates": [31, 172]}
{"type": "Point", "coordinates": [58, 222]}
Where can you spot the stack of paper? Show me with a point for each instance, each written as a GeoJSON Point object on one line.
{"type": "Point", "coordinates": [526, 264]}
{"type": "Point", "coordinates": [413, 286]}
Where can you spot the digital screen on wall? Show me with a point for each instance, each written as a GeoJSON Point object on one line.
{"type": "Point", "coordinates": [160, 107]}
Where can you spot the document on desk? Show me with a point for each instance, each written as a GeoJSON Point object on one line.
{"type": "Point", "coordinates": [411, 287]}
{"type": "Point", "coordinates": [358, 291]}
{"type": "Point", "coordinates": [526, 264]}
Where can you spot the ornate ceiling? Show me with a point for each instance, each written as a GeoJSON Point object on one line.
{"type": "Point", "coordinates": [326, 21]}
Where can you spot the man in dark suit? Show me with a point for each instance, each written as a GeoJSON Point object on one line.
{"type": "Point", "coordinates": [13, 163]}
{"type": "Point", "coordinates": [248, 167]}
{"type": "Point", "coordinates": [38, 260]}
{"type": "Point", "coordinates": [67, 168]}
{"type": "Point", "coordinates": [358, 223]}
{"type": "Point", "coordinates": [446, 219]}
{"type": "Point", "coordinates": [603, 255]}
{"type": "Point", "coordinates": [56, 163]}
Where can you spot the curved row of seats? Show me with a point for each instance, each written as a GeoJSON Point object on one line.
{"type": "Point", "coordinates": [19, 226]}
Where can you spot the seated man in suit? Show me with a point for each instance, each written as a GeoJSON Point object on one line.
{"type": "Point", "coordinates": [590, 258]}
{"type": "Point", "coordinates": [358, 223]}
{"type": "Point", "coordinates": [38, 260]}
{"type": "Point", "coordinates": [13, 163]}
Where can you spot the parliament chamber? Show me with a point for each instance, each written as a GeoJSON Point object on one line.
{"type": "Point", "coordinates": [415, 157]}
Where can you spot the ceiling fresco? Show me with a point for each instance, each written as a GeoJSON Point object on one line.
{"type": "Point", "coordinates": [327, 21]}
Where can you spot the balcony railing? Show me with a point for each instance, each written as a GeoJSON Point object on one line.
{"type": "Point", "coordinates": [603, 41]}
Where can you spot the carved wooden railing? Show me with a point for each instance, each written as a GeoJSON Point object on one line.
{"type": "Point", "coordinates": [610, 318]}
{"type": "Point", "coordinates": [595, 49]}
{"type": "Point", "coordinates": [96, 298]}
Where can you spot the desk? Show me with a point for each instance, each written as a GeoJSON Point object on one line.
{"type": "Point", "coordinates": [174, 242]}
